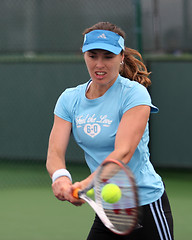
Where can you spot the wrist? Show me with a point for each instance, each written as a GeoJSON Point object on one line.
{"type": "Point", "coordinates": [61, 173]}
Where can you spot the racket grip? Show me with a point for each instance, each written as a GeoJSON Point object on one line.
{"type": "Point", "coordinates": [76, 193]}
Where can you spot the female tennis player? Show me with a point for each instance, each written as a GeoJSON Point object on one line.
{"type": "Point", "coordinates": [108, 116]}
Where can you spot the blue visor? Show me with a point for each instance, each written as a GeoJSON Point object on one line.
{"type": "Point", "coordinates": [103, 39]}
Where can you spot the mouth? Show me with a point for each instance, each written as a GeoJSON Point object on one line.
{"type": "Point", "coordinates": [100, 74]}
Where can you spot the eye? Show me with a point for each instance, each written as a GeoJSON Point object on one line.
{"type": "Point", "coordinates": [109, 56]}
{"type": "Point", "coordinates": [92, 56]}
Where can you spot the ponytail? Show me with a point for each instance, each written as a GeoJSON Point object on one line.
{"type": "Point", "coordinates": [134, 68]}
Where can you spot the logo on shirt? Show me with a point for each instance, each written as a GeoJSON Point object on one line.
{"type": "Point", "coordinates": [92, 129]}
{"type": "Point", "coordinates": [92, 125]}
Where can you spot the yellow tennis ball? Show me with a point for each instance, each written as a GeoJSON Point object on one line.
{"type": "Point", "coordinates": [90, 193]}
{"type": "Point", "coordinates": [111, 193]}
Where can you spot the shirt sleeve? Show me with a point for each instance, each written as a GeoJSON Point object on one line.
{"type": "Point", "coordinates": [61, 108]}
{"type": "Point", "coordinates": [137, 95]}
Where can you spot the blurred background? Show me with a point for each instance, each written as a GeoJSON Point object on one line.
{"type": "Point", "coordinates": [40, 56]}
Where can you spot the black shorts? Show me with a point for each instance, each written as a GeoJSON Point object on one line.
{"type": "Point", "coordinates": [156, 224]}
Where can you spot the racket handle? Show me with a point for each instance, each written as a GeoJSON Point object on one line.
{"type": "Point", "coordinates": [76, 193]}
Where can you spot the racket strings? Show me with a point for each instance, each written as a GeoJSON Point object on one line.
{"type": "Point", "coordinates": [121, 220]}
{"type": "Point", "coordinates": [123, 214]}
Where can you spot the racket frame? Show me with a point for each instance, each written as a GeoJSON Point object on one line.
{"type": "Point", "coordinates": [98, 207]}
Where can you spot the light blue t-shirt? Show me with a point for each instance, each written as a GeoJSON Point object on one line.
{"type": "Point", "coordinates": [95, 123]}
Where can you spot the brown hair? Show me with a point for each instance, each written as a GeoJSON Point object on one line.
{"type": "Point", "coordinates": [133, 66]}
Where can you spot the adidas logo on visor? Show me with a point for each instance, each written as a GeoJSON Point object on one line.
{"type": "Point", "coordinates": [103, 39]}
{"type": "Point", "coordinates": [102, 36]}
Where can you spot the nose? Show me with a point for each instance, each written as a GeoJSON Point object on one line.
{"type": "Point", "coordinates": [100, 62]}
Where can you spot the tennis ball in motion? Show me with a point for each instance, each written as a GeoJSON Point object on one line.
{"type": "Point", "coordinates": [111, 193]}
{"type": "Point", "coordinates": [90, 193]}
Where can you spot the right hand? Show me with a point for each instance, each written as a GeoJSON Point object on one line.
{"type": "Point", "coordinates": [62, 189]}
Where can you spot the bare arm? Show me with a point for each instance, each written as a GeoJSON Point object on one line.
{"type": "Point", "coordinates": [58, 142]}
{"type": "Point", "coordinates": [130, 132]}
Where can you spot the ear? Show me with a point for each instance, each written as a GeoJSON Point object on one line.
{"type": "Point", "coordinates": [122, 57]}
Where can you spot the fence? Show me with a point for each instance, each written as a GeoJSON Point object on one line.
{"type": "Point", "coordinates": [41, 26]}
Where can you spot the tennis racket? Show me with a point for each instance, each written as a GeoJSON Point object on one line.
{"type": "Point", "coordinates": [120, 217]}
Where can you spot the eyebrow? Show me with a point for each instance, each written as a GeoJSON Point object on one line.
{"type": "Point", "coordinates": [105, 52]}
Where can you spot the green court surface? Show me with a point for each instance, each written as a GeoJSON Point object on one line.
{"type": "Point", "coordinates": [31, 212]}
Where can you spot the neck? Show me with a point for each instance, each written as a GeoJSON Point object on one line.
{"type": "Point", "coordinates": [98, 90]}
{"type": "Point", "coordinates": [95, 91]}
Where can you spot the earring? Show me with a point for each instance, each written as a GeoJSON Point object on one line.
{"type": "Point", "coordinates": [121, 63]}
